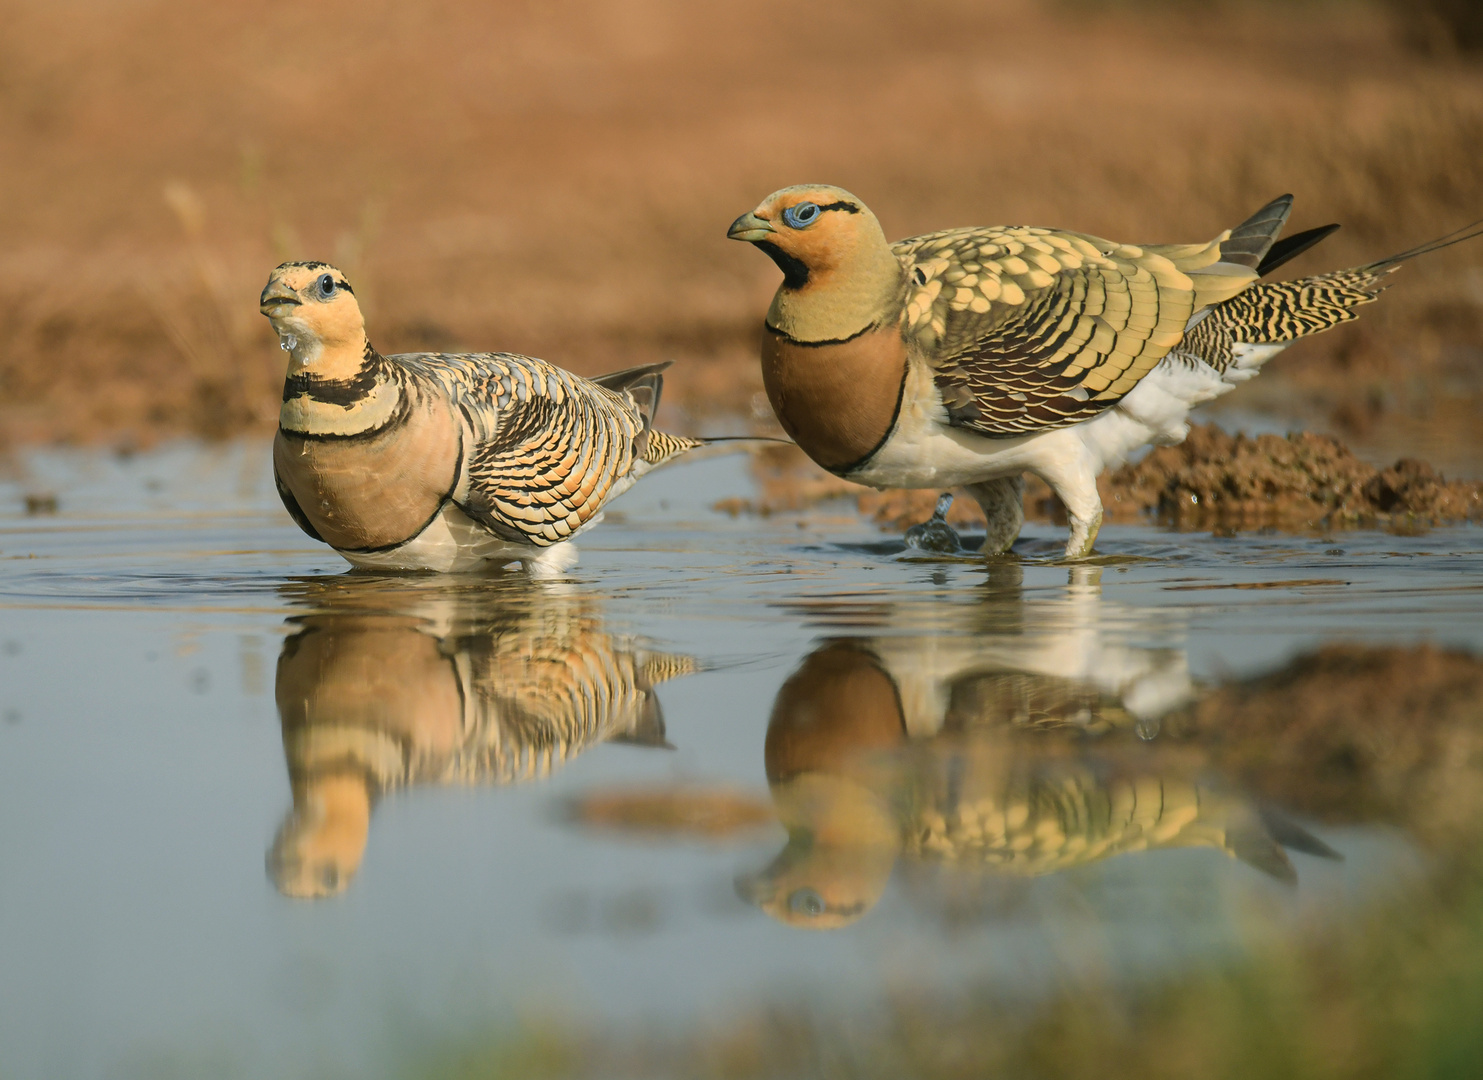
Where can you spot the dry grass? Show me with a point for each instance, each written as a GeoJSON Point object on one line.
{"type": "Point", "coordinates": [557, 178]}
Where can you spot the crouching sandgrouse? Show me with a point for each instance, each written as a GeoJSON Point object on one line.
{"type": "Point", "coordinates": [966, 357]}
{"type": "Point", "coordinates": [440, 461]}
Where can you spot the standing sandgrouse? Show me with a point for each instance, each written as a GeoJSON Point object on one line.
{"type": "Point", "coordinates": [966, 357]}
{"type": "Point", "coordinates": [438, 461]}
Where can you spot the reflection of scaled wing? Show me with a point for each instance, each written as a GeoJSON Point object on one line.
{"type": "Point", "coordinates": [1025, 812]}
{"type": "Point", "coordinates": [389, 685]}
{"type": "Point", "coordinates": [545, 692]}
{"type": "Point", "coordinates": [493, 700]}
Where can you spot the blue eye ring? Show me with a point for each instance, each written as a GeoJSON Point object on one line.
{"type": "Point", "coordinates": [807, 902]}
{"type": "Point", "coordinates": [326, 285]}
{"type": "Point", "coordinates": [801, 215]}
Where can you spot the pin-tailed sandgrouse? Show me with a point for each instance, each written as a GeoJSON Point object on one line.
{"type": "Point", "coordinates": [441, 461]}
{"type": "Point", "coordinates": [966, 357]}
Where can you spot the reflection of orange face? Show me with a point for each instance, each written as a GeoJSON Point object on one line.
{"type": "Point", "coordinates": [832, 722]}
{"type": "Point", "coordinates": [363, 690]}
{"type": "Point", "coordinates": [318, 849]}
{"type": "Point", "coordinates": [843, 840]}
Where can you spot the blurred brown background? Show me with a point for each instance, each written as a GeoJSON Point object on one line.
{"type": "Point", "coordinates": [557, 177]}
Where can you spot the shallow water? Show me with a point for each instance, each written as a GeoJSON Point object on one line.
{"type": "Point", "coordinates": [261, 816]}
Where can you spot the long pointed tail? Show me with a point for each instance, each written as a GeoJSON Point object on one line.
{"type": "Point", "coordinates": [1456, 236]}
{"type": "Point", "coordinates": [1240, 334]}
{"type": "Point", "coordinates": [661, 446]}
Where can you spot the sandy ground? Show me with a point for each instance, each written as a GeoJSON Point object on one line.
{"type": "Point", "coordinates": [557, 178]}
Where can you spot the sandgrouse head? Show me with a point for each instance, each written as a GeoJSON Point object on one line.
{"type": "Point", "coordinates": [810, 230]}
{"type": "Point", "coordinates": [311, 304]}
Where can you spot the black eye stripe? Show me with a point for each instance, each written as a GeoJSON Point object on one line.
{"type": "Point", "coordinates": [848, 208]}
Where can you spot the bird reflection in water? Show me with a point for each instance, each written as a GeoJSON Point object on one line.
{"type": "Point", "coordinates": [393, 682]}
{"type": "Point", "coordinates": [1023, 741]}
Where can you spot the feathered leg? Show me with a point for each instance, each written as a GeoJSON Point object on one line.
{"type": "Point", "coordinates": [1003, 503]}
{"type": "Point", "coordinates": [1073, 477]}
{"type": "Point", "coordinates": [552, 562]}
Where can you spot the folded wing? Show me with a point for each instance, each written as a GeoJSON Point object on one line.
{"type": "Point", "coordinates": [548, 447]}
{"type": "Point", "coordinates": [1031, 329]}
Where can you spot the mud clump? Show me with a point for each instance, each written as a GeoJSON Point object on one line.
{"type": "Point", "coordinates": [1215, 479]}
{"type": "Point", "coordinates": [1302, 479]}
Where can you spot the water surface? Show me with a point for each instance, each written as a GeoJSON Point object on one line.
{"type": "Point", "coordinates": [263, 816]}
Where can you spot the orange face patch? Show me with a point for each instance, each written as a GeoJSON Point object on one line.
{"type": "Point", "coordinates": [818, 226]}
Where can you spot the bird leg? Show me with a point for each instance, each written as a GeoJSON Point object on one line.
{"type": "Point", "coordinates": [1083, 533]}
{"type": "Point", "coordinates": [1073, 477]}
{"type": "Point", "coordinates": [1003, 502]}
{"type": "Point", "coordinates": [553, 562]}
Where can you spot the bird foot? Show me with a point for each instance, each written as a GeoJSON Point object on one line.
{"type": "Point", "coordinates": [935, 535]}
{"type": "Point", "coordinates": [1083, 536]}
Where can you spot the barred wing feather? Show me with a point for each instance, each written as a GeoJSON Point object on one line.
{"type": "Point", "coordinates": [548, 447]}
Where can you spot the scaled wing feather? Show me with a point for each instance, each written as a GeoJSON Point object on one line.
{"type": "Point", "coordinates": [1031, 329]}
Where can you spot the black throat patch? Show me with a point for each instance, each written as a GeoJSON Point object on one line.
{"type": "Point", "coordinates": [795, 271]}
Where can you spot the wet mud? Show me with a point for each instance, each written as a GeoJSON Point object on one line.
{"type": "Point", "coordinates": [1302, 479]}
{"type": "Point", "coordinates": [1354, 733]}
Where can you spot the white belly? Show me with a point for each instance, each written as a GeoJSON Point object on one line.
{"type": "Point", "coordinates": [454, 542]}
{"type": "Point", "coordinates": [943, 457]}
{"type": "Point", "coordinates": [925, 452]}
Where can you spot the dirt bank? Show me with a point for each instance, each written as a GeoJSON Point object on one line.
{"type": "Point", "coordinates": [1301, 480]}
{"type": "Point", "coordinates": [557, 179]}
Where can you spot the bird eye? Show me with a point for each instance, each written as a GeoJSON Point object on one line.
{"type": "Point", "coordinates": [806, 901]}
{"type": "Point", "coordinates": [801, 216]}
{"type": "Point", "coordinates": [326, 285]}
